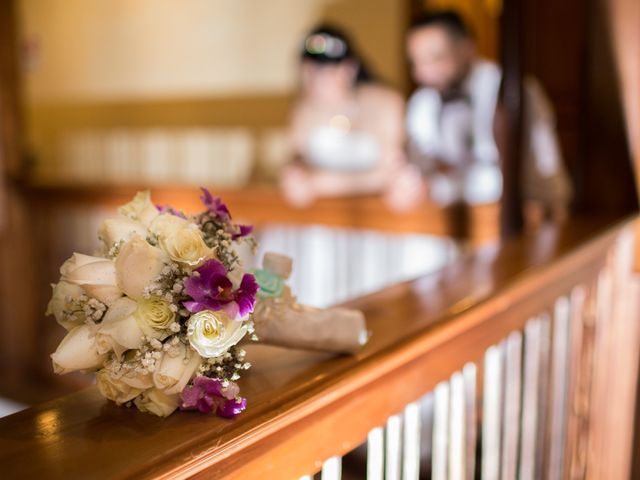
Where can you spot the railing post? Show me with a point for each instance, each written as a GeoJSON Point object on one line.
{"type": "Point", "coordinates": [511, 106]}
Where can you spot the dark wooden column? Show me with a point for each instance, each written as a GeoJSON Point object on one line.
{"type": "Point", "coordinates": [10, 160]}
{"type": "Point", "coordinates": [510, 115]}
{"type": "Point", "coordinates": [17, 259]}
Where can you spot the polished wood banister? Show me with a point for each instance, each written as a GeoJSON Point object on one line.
{"type": "Point", "coordinates": [423, 331]}
{"type": "Point", "coordinates": [480, 222]}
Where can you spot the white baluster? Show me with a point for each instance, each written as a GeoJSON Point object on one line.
{"type": "Point", "coordinates": [393, 448]}
{"type": "Point", "coordinates": [332, 469]}
{"type": "Point", "coordinates": [544, 397]}
{"type": "Point", "coordinates": [375, 454]}
{"type": "Point", "coordinates": [457, 442]}
{"type": "Point", "coordinates": [559, 386]}
{"type": "Point", "coordinates": [534, 396]}
{"type": "Point", "coordinates": [411, 451]}
{"type": "Point", "coordinates": [240, 153]}
{"type": "Point", "coordinates": [427, 415]}
{"type": "Point", "coordinates": [530, 399]}
{"type": "Point", "coordinates": [156, 149]}
{"type": "Point", "coordinates": [440, 432]}
{"type": "Point", "coordinates": [491, 413]}
{"type": "Point", "coordinates": [471, 429]}
{"type": "Point", "coordinates": [512, 404]}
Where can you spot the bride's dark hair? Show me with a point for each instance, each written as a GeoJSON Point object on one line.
{"type": "Point", "coordinates": [326, 44]}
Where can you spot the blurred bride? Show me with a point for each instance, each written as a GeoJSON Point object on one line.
{"type": "Point", "coordinates": [346, 127]}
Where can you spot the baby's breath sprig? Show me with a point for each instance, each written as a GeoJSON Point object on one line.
{"type": "Point", "coordinates": [217, 235]}
{"type": "Point", "coordinates": [252, 242]}
{"type": "Point", "coordinates": [84, 307]}
{"type": "Point", "coordinates": [152, 239]}
{"type": "Point", "coordinates": [115, 249]}
{"type": "Point", "coordinates": [94, 309]}
{"type": "Point", "coordinates": [169, 285]}
{"type": "Point", "coordinates": [227, 367]}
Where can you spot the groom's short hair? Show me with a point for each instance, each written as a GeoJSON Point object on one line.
{"type": "Point", "coordinates": [450, 20]}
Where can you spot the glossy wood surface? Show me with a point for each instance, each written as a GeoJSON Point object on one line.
{"type": "Point", "coordinates": [263, 204]}
{"type": "Point", "coordinates": [423, 331]}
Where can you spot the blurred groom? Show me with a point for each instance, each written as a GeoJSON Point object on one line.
{"type": "Point", "coordinates": [450, 123]}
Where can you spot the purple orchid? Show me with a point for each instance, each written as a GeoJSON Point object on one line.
{"type": "Point", "coordinates": [207, 394]}
{"type": "Point", "coordinates": [170, 210]}
{"type": "Point", "coordinates": [219, 210]}
{"type": "Point", "coordinates": [242, 231]}
{"type": "Point", "coordinates": [214, 205]}
{"type": "Point", "coordinates": [211, 289]}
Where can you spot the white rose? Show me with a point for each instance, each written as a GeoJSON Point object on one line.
{"type": "Point", "coordinates": [176, 369]}
{"type": "Point", "coordinates": [141, 208]}
{"type": "Point", "coordinates": [166, 225]}
{"type": "Point", "coordinates": [120, 229]}
{"type": "Point", "coordinates": [187, 247]}
{"type": "Point", "coordinates": [63, 302]}
{"type": "Point", "coordinates": [96, 276]}
{"type": "Point", "coordinates": [211, 333]}
{"type": "Point", "coordinates": [77, 351]}
{"type": "Point", "coordinates": [119, 330]}
{"type": "Point", "coordinates": [123, 388]}
{"type": "Point", "coordinates": [157, 402]}
{"type": "Point", "coordinates": [138, 264]}
{"type": "Point", "coordinates": [154, 316]}
{"type": "Point", "coordinates": [181, 240]}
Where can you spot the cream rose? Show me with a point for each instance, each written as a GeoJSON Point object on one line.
{"type": "Point", "coordinates": [138, 264]}
{"type": "Point", "coordinates": [181, 240]}
{"type": "Point", "coordinates": [96, 276]}
{"type": "Point", "coordinates": [63, 302]}
{"type": "Point", "coordinates": [187, 247]}
{"type": "Point", "coordinates": [122, 389]}
{"type": "Point", "coordinates": [166, 225]}
{"type": "Point", "coordinates": [141, 208]}
{"type": "Point", "coordinates": [120, 229]}
{"type": "Point", "coordinates": [77, 351]}
{"type": "Point", "coordinates": [176, 369]}
{"type": "Point", "coordinates": [154, 316]}
{"type": "Point", "coordinates": [211, 333]}
{"type": "Point", "coordinates": [119, 330]}
{"type": "Point", "coordinates": [157, 402]}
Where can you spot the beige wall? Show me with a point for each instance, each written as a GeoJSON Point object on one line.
{"type": "Point", "coordinates": [378, 28]}
{"type": "Point", "coordinates": [119, 49]}
{"type": "Point", "coordinates": [121, 66]}
{"type": "Point", "coordinates": [104, 50]}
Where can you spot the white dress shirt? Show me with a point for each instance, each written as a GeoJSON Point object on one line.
{"type": "Point", "coordinates": [459, 134]}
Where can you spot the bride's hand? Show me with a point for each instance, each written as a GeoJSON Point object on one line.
{"type": "Point", "coordinates": [297, 187]}
{"type": "Point", "coordinates": [406, 190]}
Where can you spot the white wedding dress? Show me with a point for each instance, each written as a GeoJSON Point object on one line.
{"type": "Point", "coordinates": [332, 148]}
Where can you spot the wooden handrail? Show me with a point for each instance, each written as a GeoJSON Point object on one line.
{"type": "Point", "coordinates": [423, 331]}
{"type": "Point", "coordinates": [265, 205]}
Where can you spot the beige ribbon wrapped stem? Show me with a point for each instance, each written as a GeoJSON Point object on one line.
{"type": "Point", "coordinates": [280, 320]}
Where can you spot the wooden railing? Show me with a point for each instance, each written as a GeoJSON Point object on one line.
{"type": "Point", "coordinates": [516, 362]}
{"type": "Point", "coordinates": [264, 204]}
{"type": "Point", "coordinates": [56, 220]}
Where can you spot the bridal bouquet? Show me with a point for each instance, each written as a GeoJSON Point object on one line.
{"type": "Point", "coordinates": [159, 312]}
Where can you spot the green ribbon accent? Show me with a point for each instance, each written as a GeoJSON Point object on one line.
{"type": "Point", "coordinates": [271, 285]}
